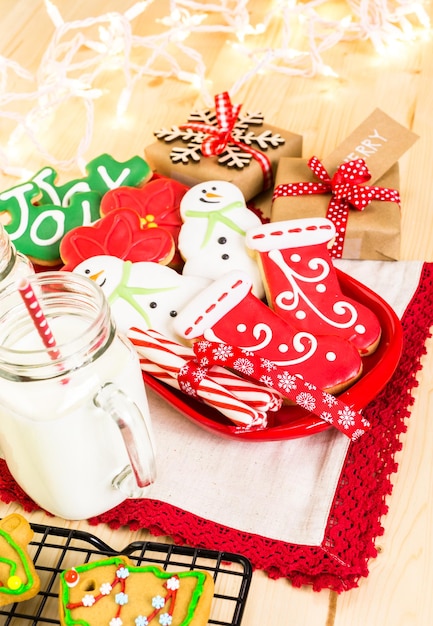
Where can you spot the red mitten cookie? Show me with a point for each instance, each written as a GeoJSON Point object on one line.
{"type": "Point", "coordinates": [302, 285]}
{"type": "Point", "coordinates": [227, 311]}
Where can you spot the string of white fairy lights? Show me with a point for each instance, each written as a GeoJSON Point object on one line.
{"type": "Point", "coordinates": [79, 51]}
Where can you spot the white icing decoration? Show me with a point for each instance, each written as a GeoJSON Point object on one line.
{"type": "Point", "coordinates": [105, 589]}
{"type": "Point", "coordinates": [295, 258]}
{"type": "Point", "coordinates": [105, 176]}
{"type": "Point", "coordinates": [290, 234]}
{"type": "Point", "coordinates": [58, 218]}
{"type": "Point", "coordinates": [331, 356]}
{"type": "Point", "coordinates": [173, 583]}
{"type": "Point", "coordinates": [241, 328]}
{"type": "Point", "coordinates": [360, 329]}
{"type": "Point", "coordinates": [297, 344]}
{"type": "Point", "coordinates": [339, 308]}
{"type": "Point", "coordinates": [321, 288]}
{"type": "Point", "coordinates": [263, 330]}
{"type": "Point", "coordinates": [225, 293]}
{"type": "Point", "coordinates": [300, 315]}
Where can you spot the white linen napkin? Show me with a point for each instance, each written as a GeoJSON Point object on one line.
{"type": "Point", "coordinates": [282, 490]}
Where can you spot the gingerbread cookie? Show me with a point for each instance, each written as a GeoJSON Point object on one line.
{"type": "Point", "coordinates": [18, 578]}
{"type": "Point", "coordinates": [212, 237]}
{"type": "Point", "coordinates": [117, 234]}
{"type": "Point", "coordinates": [115, 592]}
{"type": "Point", "coordinates": [302, 285]}
{"type": "Point", "coordinates": [228, 312]}
{"type": "Point", "coordinates": [157, 203]}
{"type": "Point", "coordinates": [145, 295]}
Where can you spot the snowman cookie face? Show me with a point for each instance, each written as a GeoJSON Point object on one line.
{"type": "Point", "coordinates": [212, 237]}
{"type": "Point", "coordinates": [144, 294]}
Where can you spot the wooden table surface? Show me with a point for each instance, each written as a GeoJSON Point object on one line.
{"type": "Point", "coordinates": [324, 110]}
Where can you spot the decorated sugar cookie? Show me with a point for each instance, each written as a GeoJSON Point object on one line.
{"type": "Point", "coordinates": [18, 578]}
{"type": "Point", "coordinates": [103, 173]}
{"type": "Point", "coordinates": [114, 591]}
{"type": "Point", "coordinates": [229, 313]}
{"type": "Point", "coordinates": [118, 234]}
{"type": "Point", "coordinates": [212, 237]}
{"type": "Point", "coordinates": [37, 229]}
{"type": "Point", "coordinates": [146, 295]}
{"type": "Point", "coordinates": [302, 285]}
{"type": "Point", "coordinates": [157, 203]}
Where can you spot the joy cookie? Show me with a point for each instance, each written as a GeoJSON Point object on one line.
{"type": "Point", "coordinates": [115, 592]}
{"type": "Point", "coordinates": [37, 229]}
{"type": "Point", "coordinates": [228, 312]}
{"type": "Point", "coordinates": [18, 578]}
{"type": "Point", "coordinates": [117, 234]}
{"type": "Point", "coordinates": [157, 203]}
{"type": "Point", "coordinates": [103, 174]}
{"type": "Point", "coordinates": [145, 295]}
{"type": "Point", "coordinates": [302, 285]}
{"type": "Point", "coordinates": [212, 237]}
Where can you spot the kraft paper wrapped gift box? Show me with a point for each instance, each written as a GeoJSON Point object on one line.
{"type": "Point", "coordinates": [178, 151]}
{"type": "Point", "coordinates": [371, 233]}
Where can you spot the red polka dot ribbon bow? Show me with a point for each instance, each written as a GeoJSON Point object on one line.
{"type": "Point", "coordinates": [348, 191]}
{"type": "Point", "coordinates": [219, 136]}
{"type": "Point", "coordinates": [326, 406]}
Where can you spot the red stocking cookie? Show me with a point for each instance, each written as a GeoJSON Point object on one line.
{"type": "Point", "coordinates": [227, 311]}
{"type": "Point", "coordinates": [302, 285]}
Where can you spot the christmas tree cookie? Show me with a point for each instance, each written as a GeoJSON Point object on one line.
{"type": "Point", "coordinates": [114, 592]}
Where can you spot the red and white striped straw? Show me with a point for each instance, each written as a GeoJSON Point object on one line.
{"type": "Point", "coordinates": [40, 322]}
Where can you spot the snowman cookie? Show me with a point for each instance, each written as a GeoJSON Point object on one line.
{"type": "Point", "coordinates": [142, 294]}
{"type": "Point", "coordinates": [212, 237]}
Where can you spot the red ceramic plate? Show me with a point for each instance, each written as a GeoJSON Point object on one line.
{"type": "Point", "coordinates": [293, 421]}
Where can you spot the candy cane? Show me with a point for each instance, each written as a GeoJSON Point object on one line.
{"type": "Point", "coordinates": [252, 393]}
{"type": "Point", "coordinates": [159, 361]}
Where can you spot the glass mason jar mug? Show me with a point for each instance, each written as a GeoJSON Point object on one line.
{"type": "Point", "coordinates": [75, 431]}
{"type": "Point", "coordinates": [13, 264]}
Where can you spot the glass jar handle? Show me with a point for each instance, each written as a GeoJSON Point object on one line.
{"type": "Point", "coordinates": [132, 426]}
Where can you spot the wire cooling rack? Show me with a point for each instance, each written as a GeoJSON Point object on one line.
{"type": "Point", "coordinates": [54, 549]}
